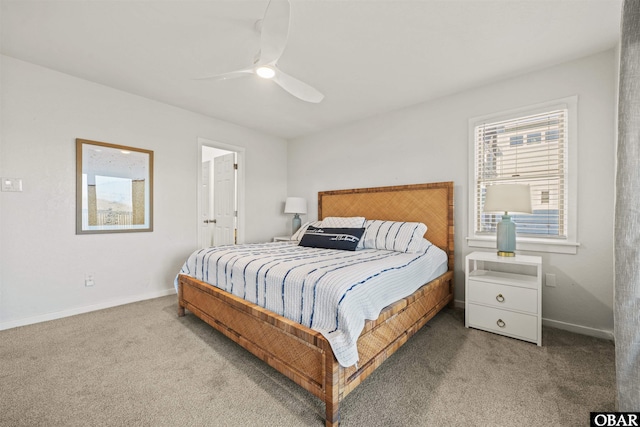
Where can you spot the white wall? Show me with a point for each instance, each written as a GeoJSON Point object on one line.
{"type": "Point", "coordinates": [429, 142]}
{"type": "Point", "coordinates": [43, 262]}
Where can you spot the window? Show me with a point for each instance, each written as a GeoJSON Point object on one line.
{"type": "Point", "coordinates": [532, 147]}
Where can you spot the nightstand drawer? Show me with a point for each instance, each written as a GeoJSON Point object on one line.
{"type": "Point", "coordinates": [503, 322]}
{"type": "Point", "coordinates": [503, 296]}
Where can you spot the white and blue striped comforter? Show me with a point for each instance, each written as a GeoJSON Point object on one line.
{"type": "Point", "coordinates": [330, 291]}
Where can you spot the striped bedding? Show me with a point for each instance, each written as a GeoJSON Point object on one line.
{"type": "Point", "coordinates": [330, 291]}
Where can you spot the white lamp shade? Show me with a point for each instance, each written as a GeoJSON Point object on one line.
{"type": "Point", "coordinates": [295, 205]}
{"type": "Point", "coordinates": [514, 198]}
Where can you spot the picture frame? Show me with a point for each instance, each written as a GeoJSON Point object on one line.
{"type": "Point", "coordinates": [114, 188]}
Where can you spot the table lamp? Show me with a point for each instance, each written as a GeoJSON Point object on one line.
{"type": "Point", "coordinates": [297, 206]}
{"type": "Point", "coordinates": [507, 198]}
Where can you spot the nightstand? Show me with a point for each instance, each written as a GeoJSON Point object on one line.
{"type": "Point", "coordinates": [503, 295]}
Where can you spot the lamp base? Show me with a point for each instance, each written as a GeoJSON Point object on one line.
{"type": "Point", "coordinates": [503, 253]}
{"type": "Point", "coordinates": [295, 224]}
{"type": "Point", "coordinates": [506, 236]}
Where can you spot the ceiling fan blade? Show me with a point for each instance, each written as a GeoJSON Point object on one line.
{"type": "Point", "coordinates": [275, 30]}
{"type": "Point", "coordinates": [297, 88]}
{"type": "Point", "coordinates": [227, 76]}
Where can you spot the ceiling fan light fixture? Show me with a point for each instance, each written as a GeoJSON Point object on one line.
{"type": "Point", "coordinates": [273, 41]}
{"type": "Point", "coordinates": [265, 72]}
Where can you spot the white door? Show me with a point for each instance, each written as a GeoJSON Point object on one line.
{"type": "Point", "coordinates": [224, 200]}
{"type": "Point", "coordinates": [206, 206]}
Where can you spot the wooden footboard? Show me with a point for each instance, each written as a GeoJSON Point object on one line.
{"type": "Point", "coordinates": [298, 352]}
{"type": "Point", "coordinates": [304, 355]}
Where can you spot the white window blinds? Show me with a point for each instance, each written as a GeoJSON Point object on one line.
{"type": "Point", "coordinates": [526, 150]}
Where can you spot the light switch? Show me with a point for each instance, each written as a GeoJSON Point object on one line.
{"type": "Point", "coordinates": [11, 184]}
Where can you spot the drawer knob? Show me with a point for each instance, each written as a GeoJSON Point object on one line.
{"type": "Point", "coordinates": [501, 323]}
{"type": "Point", "coordinates": [500, 298]}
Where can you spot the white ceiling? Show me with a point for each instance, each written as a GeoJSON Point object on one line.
{"type": "Point", "coordinates": [367, 57]}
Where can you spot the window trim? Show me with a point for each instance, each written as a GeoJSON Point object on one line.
{"type": "Point", "coordinates": [565, 246]}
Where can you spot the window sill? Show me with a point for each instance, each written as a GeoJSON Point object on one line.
{"type": "Point", "coordinates": [528, 244]}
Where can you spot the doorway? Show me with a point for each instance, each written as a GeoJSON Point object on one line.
{"type": "Point", "coordinates": [220, 194]}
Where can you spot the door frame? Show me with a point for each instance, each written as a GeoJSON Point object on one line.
{"type": "Point", "coordinates": [240, 158]}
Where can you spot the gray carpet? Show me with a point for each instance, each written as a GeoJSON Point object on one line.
{"type": "Point", "coordinates": [141, 365]}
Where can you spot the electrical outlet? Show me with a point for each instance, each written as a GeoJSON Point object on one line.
{"type": "Point", "coordinates": [550, 280]}
{"type": "Point", "coordinates": [88, 280]}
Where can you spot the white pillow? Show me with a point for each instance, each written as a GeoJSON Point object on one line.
{"type": "Point", "coordinates": [298, 234]}
{"type": "Point", "coordinates": [393, 235]}
{"type": "Point", "coordinates": [343, 222]}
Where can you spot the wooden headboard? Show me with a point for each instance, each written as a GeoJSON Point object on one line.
{"type": "Point", "coordinates": [431, 204]}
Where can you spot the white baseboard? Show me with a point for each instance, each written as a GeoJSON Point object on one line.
{"type": "Point", "coordinates": [584, 330]}
{"type": "Point", "coordinates": [85, 309]}
{"type": "Point", "coordinates": [578, 329]}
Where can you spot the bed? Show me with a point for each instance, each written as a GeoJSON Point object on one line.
{"type": "Point", "coordinates": [305, 355]}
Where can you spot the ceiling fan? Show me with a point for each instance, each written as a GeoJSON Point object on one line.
{"type": "Point", "coordinates": [274, 32]}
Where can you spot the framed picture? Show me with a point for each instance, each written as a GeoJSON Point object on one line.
{"type": "Point", "coordinates": [114, 188]}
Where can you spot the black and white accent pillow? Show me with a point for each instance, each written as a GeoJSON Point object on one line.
{"type": "Point", "coordinates": [345, 239]}
{"type": "Point", "coordinates": [298, 234]}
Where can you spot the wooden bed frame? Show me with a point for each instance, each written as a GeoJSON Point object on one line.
{"type": "Point", "coordinates": [303, 354]}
